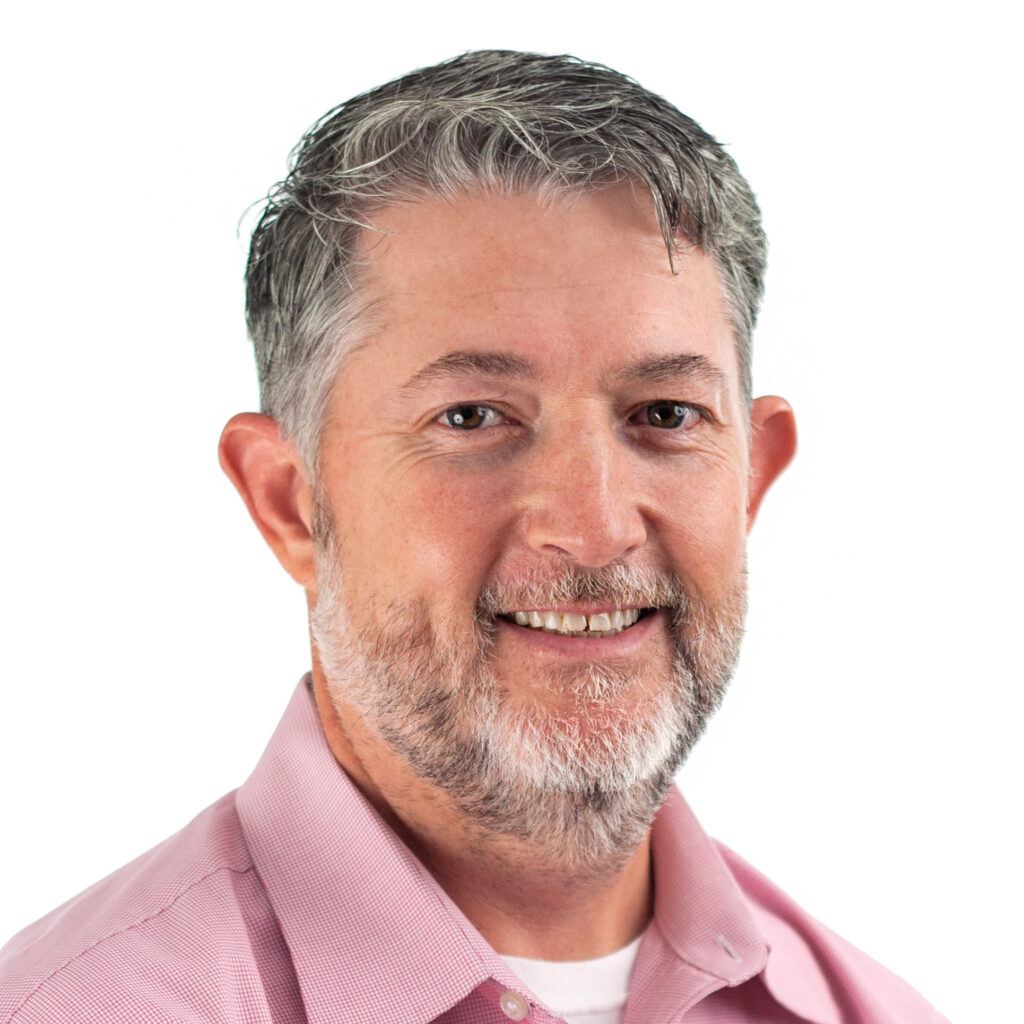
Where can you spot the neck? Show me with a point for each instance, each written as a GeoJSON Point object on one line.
{"type": "Point", "coordinates": [524, 905]}
{"type": "Point", "coordinates": [523, 898]}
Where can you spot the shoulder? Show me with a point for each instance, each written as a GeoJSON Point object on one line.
{"type": "Point", "coordinates": [852, 986]}
{"type": "Point", "coordinates": [144, 944]}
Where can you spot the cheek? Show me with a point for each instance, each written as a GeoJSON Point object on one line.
{"type": "Point", "coordinates": [704, 529]}
{"type": "Point", "coordinates": [433, 533]}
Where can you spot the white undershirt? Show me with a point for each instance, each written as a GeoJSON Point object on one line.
{"type": "Point", "coordinates": [581, 991]}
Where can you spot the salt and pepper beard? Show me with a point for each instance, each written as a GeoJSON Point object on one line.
{"type": "Point", "coordinates": [580, 784]}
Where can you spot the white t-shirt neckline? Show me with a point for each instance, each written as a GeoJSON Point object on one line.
{"type": "Point", "coordinates": [584, 991]}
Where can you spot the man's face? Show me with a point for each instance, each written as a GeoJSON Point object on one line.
{"type": "Point", "coordinates": [533, 508]}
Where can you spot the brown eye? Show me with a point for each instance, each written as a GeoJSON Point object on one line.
{"type": "Point", "coordinates": [670, 415]}
{"type": "Point", "coordinates": [466, 417]}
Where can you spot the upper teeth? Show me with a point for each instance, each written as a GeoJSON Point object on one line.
{"type": "Point", "coordinates": [600, 624]}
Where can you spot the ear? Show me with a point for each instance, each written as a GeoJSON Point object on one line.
{"type": "Point", "coordinates": [772, 446]}
{"type": "Point", "coordinates": [267, 471]}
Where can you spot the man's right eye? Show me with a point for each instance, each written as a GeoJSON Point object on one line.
{"type": "Point", "coordinates": [468, 417]}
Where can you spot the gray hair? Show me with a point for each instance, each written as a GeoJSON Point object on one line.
{"type": "Point", "coordinates": [493, 119]}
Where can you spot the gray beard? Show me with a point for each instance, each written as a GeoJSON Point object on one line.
{"type": "Point", "coordinates": [581, 785]}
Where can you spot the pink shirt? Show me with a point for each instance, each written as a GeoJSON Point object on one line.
{"type": "Point", "coordinates": [290, 900]}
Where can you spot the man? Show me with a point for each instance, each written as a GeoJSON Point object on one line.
{"type": "Point", "coordinates": [502, 312]}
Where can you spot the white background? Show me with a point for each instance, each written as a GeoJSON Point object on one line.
{"type": "Point", "coordinates": [867, 758]}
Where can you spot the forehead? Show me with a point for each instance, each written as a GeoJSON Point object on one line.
{"type": "Point", "coordinates": [580, 279]}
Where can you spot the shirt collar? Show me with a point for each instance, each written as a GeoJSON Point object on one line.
{"type": "Point", "coordinates": [365, 923]}
{"type": "Point", "coordinates": [794, 976]}
{"type": "Point", "coordinates": [711, 923]}
{"type": "Point", "coordinates": [698, 906]}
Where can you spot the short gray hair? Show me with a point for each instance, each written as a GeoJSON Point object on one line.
{"type": "Point", "coordinates": [493, 119]}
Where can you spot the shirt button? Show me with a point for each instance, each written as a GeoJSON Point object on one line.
{"type": "Point", "coordinates": [513, 1005]}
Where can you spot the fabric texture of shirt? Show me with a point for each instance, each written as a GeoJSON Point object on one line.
{"type": "Point", "coordinates": [291, 901]}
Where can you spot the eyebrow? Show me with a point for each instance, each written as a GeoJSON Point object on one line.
{"type": "Point", "coordinates": [505, 366]}
{"type": "Point", "coordinates": [666, 369]}
{"type": "Point", "coordinates": [465, 363]}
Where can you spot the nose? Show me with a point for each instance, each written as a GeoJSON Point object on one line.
{"type": "Point", "coordinates": [584, 501]}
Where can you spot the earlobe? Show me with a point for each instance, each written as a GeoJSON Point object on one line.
{"type": "Point", "coordinates": [772, 447]}
{"type": "Point", "coordinates": [267, 472]}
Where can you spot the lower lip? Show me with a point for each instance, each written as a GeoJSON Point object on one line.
{"type": "Point", "coordinates": [582, 648]}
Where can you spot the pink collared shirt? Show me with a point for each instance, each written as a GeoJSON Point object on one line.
{"type": "Point", "coordinates": [290, 900]}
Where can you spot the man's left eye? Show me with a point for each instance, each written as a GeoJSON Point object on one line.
{"type": "Point", "coordinates": [669, 415]}
{"type": "Point", "coordinates": [469, 417]}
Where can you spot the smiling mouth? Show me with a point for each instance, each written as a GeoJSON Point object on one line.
{"type": "Point", "coordinates": [596, 626]}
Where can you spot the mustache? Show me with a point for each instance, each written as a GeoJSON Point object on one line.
{"type": "Point", "coordinates": [623, 586]}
